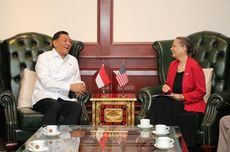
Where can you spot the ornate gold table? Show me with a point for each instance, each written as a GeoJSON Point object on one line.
{"type": "Point", "coordinates": [113, 109]}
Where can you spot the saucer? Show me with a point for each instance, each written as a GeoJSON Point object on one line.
{"type": "Point", "coordinates": [163, 147]}
{"type": "Point", "coordinates": [144, 127]}
{"type": "Point", "coordinates": [161, 133]}
{"type": "Point", "coordinates": [53, 134]}
{"type": "Point", "coordinates": [40, 150]}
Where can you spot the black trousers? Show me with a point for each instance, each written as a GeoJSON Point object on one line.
{"type": "Point", "coordinates": [165, 110]}
{"type": "Point", "coordinates": [54, 109]}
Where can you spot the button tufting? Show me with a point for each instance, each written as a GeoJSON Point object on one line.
{"type": "Point", "coordinates": [214, 44]}
{"type": "Point", "coordinates": [220, 55]}
{"type": "Point", "coordinates": [34, 43]}
{"type": "Point", "coordinates": [21, 42]}
{"type": "Point", "coordinates": [14, 54]}
{"type": "Point", "coordinates": [28, 53]}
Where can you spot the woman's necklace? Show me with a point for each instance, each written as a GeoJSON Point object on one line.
{"type": "Point", "coordinates": [181, 67]}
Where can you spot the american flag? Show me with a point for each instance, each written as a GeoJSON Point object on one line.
{"type": "Point", "coordinates": [122, 77]}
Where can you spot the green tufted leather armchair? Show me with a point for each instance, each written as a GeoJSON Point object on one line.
{"type": "Point", "coordinates": [213, 50]}
{"type": "Point", "coordinates": [1, 43]}
{"type": "Point", "coordinates": [17, 53]}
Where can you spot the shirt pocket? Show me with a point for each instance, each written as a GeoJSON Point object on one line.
{"type": "Point", "coordinates": [56, 73]}
{"type": "Point", "coordinates": [70, 68]}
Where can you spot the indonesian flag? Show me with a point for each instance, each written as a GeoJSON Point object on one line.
{"type": "Point", "coordinates": [103, 141]}
{"type": "Point", "coordinates": [102, 78]}
{"type": "Point", "coordinates": [102, 138]}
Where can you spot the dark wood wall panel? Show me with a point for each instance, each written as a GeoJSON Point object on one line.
{"type": "Point", "coordinates": [139, 58]}
{"type": "Point", "coordinates": [135, 82]}
{"type": "Point", "coordinates": [141, 72]}
{"type": "Point", "coordinates": [113, 62]}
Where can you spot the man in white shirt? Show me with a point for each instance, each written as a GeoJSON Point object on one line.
{"type": "Point", "coordinates": [58, 74]}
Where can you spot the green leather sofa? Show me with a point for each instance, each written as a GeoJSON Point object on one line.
{"type": "Point", "coordinates": [1, 43]}
{"type": "Point", "coordinates": [19, 52]}
{"type": "Point", "coordinates": [213, 50]}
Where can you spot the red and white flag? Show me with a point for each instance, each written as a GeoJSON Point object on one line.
{"type": "Point", "coordinates": [122, 77]}
{"type": "Point", "coordinates": [102, 78]}
{"type": "Point", "coordinates": [103, 141]}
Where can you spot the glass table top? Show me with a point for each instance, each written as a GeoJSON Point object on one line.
{"type": "Point", "coordinates": [106, 139]}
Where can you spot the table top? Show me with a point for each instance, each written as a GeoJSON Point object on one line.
{"type": "Point", "coordinates": [114, 97]}
{"type": "Point", "coordinates": [107, 138]}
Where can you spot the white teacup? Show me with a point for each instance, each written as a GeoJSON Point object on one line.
{"type": "Point", "coordinates": [160, 128]}
{"type": "Point", "coordinates": [37, 145]}
{"type": "Point", "coordinates": [50, 129]}
{"type": "Point", "coordinates": [50, 141]}
{"type": "Point", "coordinates": [164, 141]}
{"type": "Point", "coordinates": [144, 122]}
{"type": "Point", "coordinates": [145, 134]}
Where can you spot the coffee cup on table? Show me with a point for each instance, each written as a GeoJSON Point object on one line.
{"type": "Point", "coordinates": [145, 134]}
{"type": "Point", "coordinates": [51, 129]}
{"type": "Point", "coordinates": [37, 145]}
{"type": "Point", "coordinates": [164, 141]}
{"type": "Point", "coordinates": [161, 128]}
{"type": "Point", "coordinates": [145, 122]}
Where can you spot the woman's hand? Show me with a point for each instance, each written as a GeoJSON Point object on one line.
{"type": "Point", "coordinates": [166, 88]}
{"type": "Point", "coordinates": [178, 97]}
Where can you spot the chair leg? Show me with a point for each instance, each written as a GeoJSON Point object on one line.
{"type": "Point", "coordinates": [209, 148]}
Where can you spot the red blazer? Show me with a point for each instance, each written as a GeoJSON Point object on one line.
{"type": "Point", "coordinates": [193, 84]}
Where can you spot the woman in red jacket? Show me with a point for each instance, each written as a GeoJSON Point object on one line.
{"type": "Point", "coordinates": [185, 84]}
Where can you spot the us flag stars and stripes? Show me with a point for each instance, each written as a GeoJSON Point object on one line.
{"type": "Point", "coordinates": [122, 77]}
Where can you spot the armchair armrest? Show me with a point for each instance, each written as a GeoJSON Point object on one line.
{"type": "Point", "coordinates": [217, 106]}
{"type": "Point", "coordinates": [82, 100]}
{"type": "Point", "coordinates": [225, 98]}
{"type": "Point", "coordinates": [7, 101]}
{"type": "Point", "coordinates": [144, 96]}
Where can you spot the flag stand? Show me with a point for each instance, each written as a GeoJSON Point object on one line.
{"type": "Point", "coordinates": [123, 92]}
{"type": "Point", "coordinates": [103, 90]}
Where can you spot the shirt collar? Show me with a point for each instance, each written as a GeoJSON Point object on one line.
{"type": "Point", "coordinates": [55, 54]}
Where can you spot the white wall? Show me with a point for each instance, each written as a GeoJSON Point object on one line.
{"type": "Point", "coordinates": [149, 20]}
{"type": "Point", "coordinates": [134, 20]}
{"type": "Point", "coordinates": [78, 17]}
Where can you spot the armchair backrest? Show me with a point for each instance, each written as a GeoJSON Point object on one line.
{"type": "Point", "coordinates": [213, 50]}
{"type": "Point", "coordinates": [21, 51]}
{"type": "Point", "coordinates": [164, 57]}
{"type": "Point", "coordinates": [1, 82]}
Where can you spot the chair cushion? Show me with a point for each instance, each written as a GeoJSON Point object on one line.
{"type": "Point", "coordinates": [29, 119]}
{"type": "Point", "coordinates": [208, 72]}
{"type": "Point", "coordinates": [26, 89]}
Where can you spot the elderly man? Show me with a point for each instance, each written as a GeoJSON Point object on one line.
{"type": "Point", "coordinates": [58, 74]}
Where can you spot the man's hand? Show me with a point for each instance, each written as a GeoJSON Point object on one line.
{"type": "Point", "coordinates": [78, 88]}
{"type": "Point", "coordinates": [77, 133]}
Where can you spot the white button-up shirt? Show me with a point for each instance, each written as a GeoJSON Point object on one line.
{"type": "Point", "coordinates": [55, 75]}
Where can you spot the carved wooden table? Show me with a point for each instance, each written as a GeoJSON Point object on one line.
{"type": "Point", "coordinates": [113, 109]}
